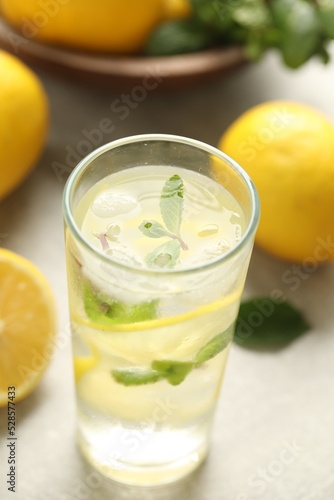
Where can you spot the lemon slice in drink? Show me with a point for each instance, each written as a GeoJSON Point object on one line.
{"type": "Point", "coordinates": [84, 364]}
{"type": "Point", "coordinates": [27, 325]}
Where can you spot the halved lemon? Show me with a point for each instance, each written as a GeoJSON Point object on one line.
{"type": "Point", "coordinates": [27, 326]}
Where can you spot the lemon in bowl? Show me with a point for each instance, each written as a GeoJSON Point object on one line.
{"type": "Point", "coordinates": [118, 26]}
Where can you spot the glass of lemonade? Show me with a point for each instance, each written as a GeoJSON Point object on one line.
{"type": "Point", "coordinates": [159, 232]}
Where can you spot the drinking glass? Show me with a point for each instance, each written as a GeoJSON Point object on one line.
{"type": "Point", "coordinates": [151, 336]}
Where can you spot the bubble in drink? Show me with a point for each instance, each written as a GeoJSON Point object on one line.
{"type": "Point", "coordinates": [208, 230]}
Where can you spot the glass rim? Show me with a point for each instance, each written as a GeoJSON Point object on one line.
{"type": "Point", "coordinates": [86, 162]}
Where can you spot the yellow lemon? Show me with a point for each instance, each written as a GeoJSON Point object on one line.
{"type": "Point", "coordinates": [176, 9]}
{"type": "Point", "coordinates": [27, 325]}
{"type": "Point", "coordinates": [288, 150]}
{"type": "Point", "coordinates": [120, 26]}
{"type": "Point", "coordinates": [23, 121]}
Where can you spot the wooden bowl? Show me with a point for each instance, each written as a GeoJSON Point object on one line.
{"type": "Point", "coordinates": [123, 72]}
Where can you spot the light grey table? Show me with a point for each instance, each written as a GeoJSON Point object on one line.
{"type": "Point", "coordinates": [273, 435]}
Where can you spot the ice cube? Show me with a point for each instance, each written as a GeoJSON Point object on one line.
{"type": "Point", "coordinates": [108, 204]}
{"type": "Point", "coordinates": [124, 256]}
{"type": "Point", "coordinates": [113, 230]}
{"type": "Point", "coordinates": [211, 252]}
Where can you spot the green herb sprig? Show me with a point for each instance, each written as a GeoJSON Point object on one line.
{"type": "Point", "coordinates": [171, 209]}
{"type": "Point", "coordinates": [174, 372]}
{"type": "Point", "coordinates": [277, 325]}
{"type": "Point", "coordinates": [298, 29]}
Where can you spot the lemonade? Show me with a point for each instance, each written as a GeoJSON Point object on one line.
{"type": "Point", "coordinates": [154, 285]}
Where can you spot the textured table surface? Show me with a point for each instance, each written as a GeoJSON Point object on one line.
{"type": "Point", "coordinates": [274, 426]}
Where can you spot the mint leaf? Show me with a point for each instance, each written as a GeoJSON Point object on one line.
{"type": "Point", "coordinates": [135, 376]}
{"type": "Point", "coordinates": [263, 322]}
{"type": "Point", "coordinates": [174, 371]}
{"type": "Point", "coordinates": [104, 310]}
{"type": "Point", "coordinates": [95, 305]}
{"type": "Point", "coordinates": [215, 346]}
{"type": "Point", "coordinates": [179, 36]}
{"type": "Point", "coordinates": [251, 14]}
{"type": "Point", "coordinates": [276, 324]}
{"type": "Point", "coordinates": [171, 203]}
{"type": "Point", "coordinates": [165, 255]}
{"type": "Point", "coordinates": [123, 313]}
{"type": "Point", "coordinates": [153, 229]}
{"type": "Point", "coordinates": [215, 15]}
{"type": "Point", "coordinates": [171, 207]}
{"type": "Point", "coordinates": [300, 30]}
{"type": "Point", "coordinates": [326, 15]}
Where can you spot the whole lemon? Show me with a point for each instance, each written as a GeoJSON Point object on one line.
{"type": "Point", "coordinates": [23, 121]}
{"type": "Point", "coordinates": [119, 26]}
{"type": "Point", "coordinates": [287, 148]}
{"type": "Point", "coordinates": [177, 9]}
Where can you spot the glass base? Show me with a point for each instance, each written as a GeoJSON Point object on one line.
{"type": "Point", "coordinates": [142, 475]}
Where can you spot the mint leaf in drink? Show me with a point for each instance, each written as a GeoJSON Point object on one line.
{"type": "Point", "coordinates": [104, 310]}
{"type": "Point", "coordinates": [174, 371]}
{"type": "Point", "coordinates": [215, 346]}
{"type": "Point", "coordinates": [171, 208]}
{"type": "Point", "coordinates": [95, 305]}
{"type": "Point", "coordinates": [135, 376]}
{"type": "Point", "coordinates": [171, 203]}
{"type": "Point", "coordinates": [123, 313]}
{"type": "Point", "coordinates": [153, 229]}
{"type": "Point", "coordinates": [272, 324]}
{"type": "Point", "coordinates": [164, 256]}
{"type": "Point", "coordinates": [277, 324]}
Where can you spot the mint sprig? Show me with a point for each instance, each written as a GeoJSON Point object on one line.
{"type": "Point", "coordinates": [136, 376]}
{"type": "Point", "coordinates": [153, 229]}
{"type": "Point", "coordinates": [215, 346]}
{"type": "Point", "coordinates": [104, 310]}
{"type": "Point", "coordinates": [165, 255]}
{"type": "Point", "coordinates": [171, 203]}
{"type": "Point", "coordinates": [171, 209]}
{"type": "Point", "coordinates": [173, 371]}
{"type": "Point", "coordinates": [297, 29]}
{"type": "Point", "coordinates": [276, 325]}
